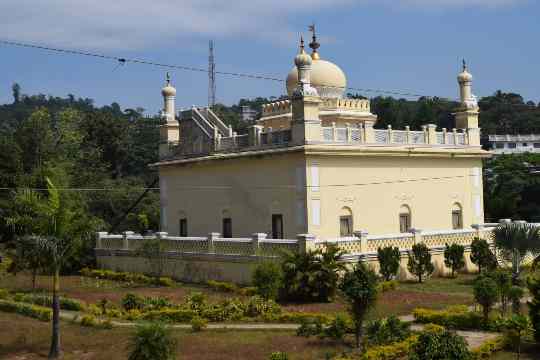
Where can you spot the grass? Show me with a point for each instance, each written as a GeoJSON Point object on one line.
{"type": "Point", "coordinates": [29, 339]}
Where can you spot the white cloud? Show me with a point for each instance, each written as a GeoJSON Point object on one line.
{"type": "Point", "coordinates": [135, 24]}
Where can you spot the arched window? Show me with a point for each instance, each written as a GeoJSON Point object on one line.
{"type": "Point", "coordinates": [226, 224]}
{"type": "Point", "coordinates": [457, 216]}
{"type": "Point", "coordinates": [182, 224]}
{"type": "Point", "coordinates": [345, 222]}
{"type": "Point", "coordinates": [404, 219]}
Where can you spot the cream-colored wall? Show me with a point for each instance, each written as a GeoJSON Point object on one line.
{"type": "Point", "coordinates": [250, 189]}
{"type": "Point", "coordinates": [382, 187]}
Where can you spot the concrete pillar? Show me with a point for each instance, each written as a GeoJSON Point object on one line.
{"type": "Point", "coordinates": [256, 239]}
{"type": "Point", "coordinates": [407, 134]}
{"type": "Point", "coordinates": [305, 242]}
{"type": "Point", "coordinates": [389, 129]}
{"type": "Point", "coordinates": [210, 242]}
{"type": "Point", "coordinates": [479, 229]}
{"type": "Point", "coordinates": [369, 132]}
{"type": "Point", "coordinates": [362, 235]}
{"type": "Point", "coordinates": [505, 221]}
{"type": "Point", "coordinates": [432, 133]}
{"type": "Point", "coordinates": [125, 239]}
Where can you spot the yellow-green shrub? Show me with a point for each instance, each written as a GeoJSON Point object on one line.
{"type": "Point", "coordinates": [46, 300]}
{"type": "Point", "coordinates": [126, 277]}
{"type": "Point", "coordinates": [4, 294]}
{"type": "Point", "coordinates": [172, 315]}
{"type": "Point", "coordinates": [456, 317]}
{"type": "Point", "coordinates": [300, 317]}
{"type": "Point", "coordinates": [89, 321]}
{"type": "Point", "coordinates": [390, 352]}
{"type": "Point", "coordinates": [33, 311]}
{"type": "Point", "coordinates": [133, 314]}
{"type": "Point", "coordinates": [487, 349]}
{"type": "Point", "coordinates": [198, 324]}
{"type": "Point", "coordinates": [388, 285]}
{"type": "Point", "coordinates": [223, 286]}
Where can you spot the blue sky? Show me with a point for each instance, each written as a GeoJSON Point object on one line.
{"type": "Point", "coordinates": [409, 45]}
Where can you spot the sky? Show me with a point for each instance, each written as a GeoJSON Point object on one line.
{"type": "Point", "coordinates": [406, 45]}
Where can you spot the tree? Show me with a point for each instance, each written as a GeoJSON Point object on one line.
{"type": "Point", "coordinates": [516, 328]}
{"type": "Point", "coordinates": [482, 256]}
{"type": "Point", "coordinates": [533, 284]}
{"type": "Point", "coordinates": [267, 278]}
{"type": "Point", "coordinates": [515, 294]}
{"type": "Point", "coordinates": [28, 256]}
{"type": "Point", "coordinates": [514, 241]}
{"type": "Point", "coordinates": [440, 345]}
{"type": "Point", "coordinates": [485, 293]}
{"type": "Point", "coordinates": [453, 257]}
{"type": "Point", "coordinates": [55, 227]}
{"type": "Point", "coordinates": [503, 279]}
{"type": "Point", "coordinates": [16, 90]}
{"type": "Point", "coordinates": [389, 261]}
{"type": "Point", "coordinates": [419, 263]}
{"type": "Point", "coordinates": [359, 287]}
{"type": "Point", "coordinates": [152, 341]}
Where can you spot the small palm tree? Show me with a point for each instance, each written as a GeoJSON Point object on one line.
{"type": "Point", "coordinates": [54, 226]}
{"type": "Point", "coordinates": [514, 241]}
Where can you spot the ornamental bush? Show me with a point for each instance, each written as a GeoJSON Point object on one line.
{"type": "Point", "coordinates": [152, 341]}
{"type": "Point", "coordinates": [46, 300]}
{"type": "Point", "coordinates": [279, 356]}
{"type": "Point", "coordinates": [533, 284]}
{"type": "Point", "coordinates": [482, 256]}
{"type": "Point", "coordinates": [439, 345]}
{"type": "Point", "coordinates": [485, 293]}
{"type": "Point", "coordinates": [419, 263]}
{"type": "Point", "coordinates": [387, 331]}
{"type": "Point", "coordinates": [389, 259]}
{"type": "Point", "coordinates": [198, 324]}
{"type": "Point", "coordinates": [267, 279]}
{"type": "Point", "coordinates": [454, 317]}
{"type": "Point", "coordinates": [453, 257]}
{"type": "Point", "coordinates": [222, 286]}
{"type": "Point", "coordinates": [127, 277]}
{"type": "Point", "coordinates": [33, 311]}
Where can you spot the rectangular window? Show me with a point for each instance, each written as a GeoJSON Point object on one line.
{"type": "Point", "coordinates": [537, 145]}
{"type": "Point", "coordinates": [277, 226]}
{"type": "Point", "coordinates": [404, 223]}
{"type": "Point", "coordinates": [457, 222]}
{"type": "Point", "coordinates": [316, 212]}
{"type": "Point", "coordinates": [345, 225]}
{"type": "Point", "coordinates": [227, 228]}
{"type": "Point", "coordinates": [512, 145]}
{"type": "Point", "coordinates": [183, 228]}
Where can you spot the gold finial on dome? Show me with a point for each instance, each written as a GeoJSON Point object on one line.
{"type": "Point", "coordinates": [314, 45]}
{"type": "Point", "coordinates": [168, 78]}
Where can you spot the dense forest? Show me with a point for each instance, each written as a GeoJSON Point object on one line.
{"type": "Point", "coordinates": [100, 155]}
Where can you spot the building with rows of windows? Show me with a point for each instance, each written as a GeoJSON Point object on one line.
{"type": "Point", "coordinates": [317, 164]}
{"type": "Point", "coordinates": [514, 144]}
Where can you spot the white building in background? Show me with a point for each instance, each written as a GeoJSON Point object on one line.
{"type": "Point", "coordinates": [514, 144]}
{"type": "Point", "coordinates": [248, 114]}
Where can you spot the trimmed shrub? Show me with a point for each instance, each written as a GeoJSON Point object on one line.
{"type": "Point", "coordinates": [482, 256]}
{"type": "Point", "coordinates": [388, 285]}
{"type": "Point", "coordinates": [267, 279]}
{"type": "Point", "coordinates": [453, 257]}
{"type": "Point", "coordinates": [258, 307]}
{"type": "Point", "coordinates": [336, 329]}
{"type": "Point", "coordinates": [487, 349]}
{"type": "Point", "coordinates": [46, 300]}
{"type": "Point", "coordinates": [223, 286]}
{"type": "Point", "coordinates": [279, 356]}
{"type": "Point", "coordinates": [419, 263]}
{"type": "Point", "coordinates": [439, 345]}
{"type": "Point", "coordinates": [170, 315]}
{"type": "Point", "coordinates": [389, 260]}
{"type": "Point", "coordinates": [300, 317]}
{"type": "Point", "coordinates": [33, 311]}
{"type": "Point", "coordinates": [126, 277]}
{"type": "Point", "coordinates": [198, 324]}
{"type": "Point", "coordinates": [390, 352]}
{"type": "Point", "coordinates": [89, 321]}
{"type": "Point", "coordinates": [485, 293]}
{"type": "Point", "coordinates": [152, 341]}
{"type": "Point", "coordinates": [387, 331]}
{"type": "Point", "coordinates": [4, 294]}
{"type": "Point", "coordinates": [132, 301]}
{"type": "Point", "coordinates": [456, 317]}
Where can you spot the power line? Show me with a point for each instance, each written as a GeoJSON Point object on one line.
{"type": "Point", "coordinates": [224, 187]}
{"type": "Point", "coordinates": [123, 60]}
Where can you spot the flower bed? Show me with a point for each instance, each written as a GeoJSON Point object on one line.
{"type": "Point", "coordinates": [127, 277]}
{"type": "Point", "coordinates": [33, 311]}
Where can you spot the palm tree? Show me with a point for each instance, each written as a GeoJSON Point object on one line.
{"type": "Point", "coordinates": [54, 226]}
{"type": "Point", "coordinates": [514, 241]}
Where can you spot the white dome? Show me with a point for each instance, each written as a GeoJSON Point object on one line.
{"type": "Point", "coordinates": [326, 77]}
{"type": "Point", "coordinates": [168, 90]}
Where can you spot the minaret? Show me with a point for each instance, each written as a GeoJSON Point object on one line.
{"type": "Point", "coordinates": [169, 129]}
{"type": "Point", "coordinates": [305, 100]}
{"type": "Point", "coordinates": [467, 113]}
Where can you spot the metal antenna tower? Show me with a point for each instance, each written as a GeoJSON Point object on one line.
{"type": "Point", "coordinates": [211, 76]}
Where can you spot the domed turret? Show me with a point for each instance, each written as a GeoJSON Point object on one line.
{"type": "Point", "coordinates": [465, 75]}
{"type": "Point", "coordinates": [168, 90]}
{"type": "Point", "coordinates": [302, 59]}
{"type": "Point", "coordinates": [468, 100]}
{"type": "Point", "coordinates": [326, 77]}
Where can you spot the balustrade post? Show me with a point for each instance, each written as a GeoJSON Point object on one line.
{"type": "Point", "coordinates": [125, 239]}
{"type": "Point", "coordinates": [334, 132]}
{"type": "Point", "coordinates": [210, 242]}
{"type": "Point", "coordinates": [417, 235]}
{"type": "Point", "coordinates": [454, 133]}
{"type": "Point", "coordinates": [445, 140]}
{"type": "Point", "coordinates": [349, 133]}
{"type": "Point", "coordinates": [230, 134]}
{"type": "Point", "coordinates": [389, 140]}
{"type": "Point", "coordinates": [100, 236]}
{"type": "Point", "coordinates": [256, 240]}
{"type": "Point", "coordinates": [369, 132]}
{"type": "Point", "coordinates": [305, 242]}
{"type": "Point", "coordinates": [407, 134]}
{"type": "Point", "coordinates": [424, 130]}
{"type": "Point", "coordinates": [363, 236]}
{"type": "Point", "coordinates": [432, 133]}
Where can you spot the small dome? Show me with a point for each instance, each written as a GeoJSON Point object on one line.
{"type": "Point", "coordinates": [302, 59]}
{"type": "Point", "coordinates": [465, 76]}
{"type": "Point", "coordinates": [168, 90]}
{"type": "Point", "coordinates": [326, 77]}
